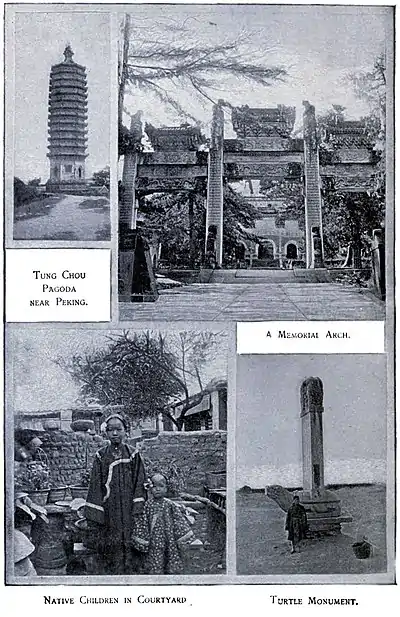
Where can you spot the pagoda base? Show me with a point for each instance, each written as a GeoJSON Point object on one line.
{"type": "Point", "coordinates": [69, 188]}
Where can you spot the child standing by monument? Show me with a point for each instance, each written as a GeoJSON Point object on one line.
{"type": "Point", "coordinates": [296, 524]}
{"type": "Point", "coordinates": [162, 531]}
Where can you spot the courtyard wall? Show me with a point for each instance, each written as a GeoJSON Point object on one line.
{"type": "Point", "coordinates": [194, 453]}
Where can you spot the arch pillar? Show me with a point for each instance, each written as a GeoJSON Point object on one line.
{"type": "Point", "coordinates": [313, 209]}
{"type": "Point", "coordinates": [215, 190]}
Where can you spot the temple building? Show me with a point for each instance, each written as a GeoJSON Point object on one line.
{"type": "Point", "coordinates": [67, 125]}
{"type": "Point", "coordinates": [279, 236]}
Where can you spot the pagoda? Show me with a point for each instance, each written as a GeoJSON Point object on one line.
{"type": "Point", "coordinates": [67, 125]}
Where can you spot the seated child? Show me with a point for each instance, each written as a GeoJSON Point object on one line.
{"type": "Point", "coordinates": [161, 531]}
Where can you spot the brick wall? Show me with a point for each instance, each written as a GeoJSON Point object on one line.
{"type": "Point", "coordinates": [69, 454]}
{"type": "Point", "coordinates": [195, 453]}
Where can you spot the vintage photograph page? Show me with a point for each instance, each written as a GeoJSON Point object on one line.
{"type": "Point", "coordinates": [199, 325]}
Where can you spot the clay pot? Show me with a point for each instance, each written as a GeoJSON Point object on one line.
{"type": "Point", "coordinates": [215, 479]}
{"type": "Point", "coordinates": [40, 497]}
{"type": "Point", "coordinates": [50, 558]}
{"type": "Point", "coordinates": [57, 494]}
{"type": "Point", "coordinates": [79, 492]}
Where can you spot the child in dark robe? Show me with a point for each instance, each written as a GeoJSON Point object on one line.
{"type": "Point", "coordinates": [116, 495]}
{"type": "Point", "coordinates": [296, 524]}
{"type": "Point", "coordinates": [162, 531]}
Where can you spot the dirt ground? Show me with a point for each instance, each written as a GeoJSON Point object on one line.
{"type": "Point", "coordinates": [262, 546]}
{"type": "Point", "coordinates": [210, 559]}
{"type": "Point", "coordinates": [64, 217]}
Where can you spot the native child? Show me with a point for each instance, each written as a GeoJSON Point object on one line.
{"type": "Point", "coordinates": [296, 524]}
{"type": "Point", "coordinates": [115, 497]}
{"type": "Point", "coordinates": [162, 532]}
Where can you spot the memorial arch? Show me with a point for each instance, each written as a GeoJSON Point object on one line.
{"type": "Point", "coordinates": [265, 151]}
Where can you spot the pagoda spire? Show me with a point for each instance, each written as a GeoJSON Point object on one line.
{"type": "Point", "coordinates": [68, 53]}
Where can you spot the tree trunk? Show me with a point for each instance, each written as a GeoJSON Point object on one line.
{"type": "Point", "coordinates": [124, 69]}
{"type": "Point", "coordinates": [357, 253]}
{"type": "Point", "coordinates": [192, 240]}
{"type": "Point", "coordinates": [357, 244]}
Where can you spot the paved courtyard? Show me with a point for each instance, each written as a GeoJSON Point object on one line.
{"type": "Point", "coordinates": [258, 302]}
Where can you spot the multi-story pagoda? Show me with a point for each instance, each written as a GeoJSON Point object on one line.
{"type": "Point", "coordinates": [67, 125]}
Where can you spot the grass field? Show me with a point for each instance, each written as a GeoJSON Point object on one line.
{"type": "Point", "coordinates": [262, 546]}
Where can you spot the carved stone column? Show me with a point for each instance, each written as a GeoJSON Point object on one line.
{"type": "Point", "coordinates": [322, 505]}
{"type": "Point", "coordinates": [312, 396]}
{"type": "Point", "coordinates": [215, 193]}
{"type": "Point", "coordinates": [127, 207]}
{"type": "Point", "coordinates": [313, 211]}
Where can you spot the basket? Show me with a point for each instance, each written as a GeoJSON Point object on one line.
{"type": "Point", "coordinates": [362, 550]}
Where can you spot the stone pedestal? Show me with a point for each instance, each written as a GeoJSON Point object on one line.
{"type": "Point", "coordinates": [136, 279]}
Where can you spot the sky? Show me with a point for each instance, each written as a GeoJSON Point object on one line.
{"type": "Point", "coordinates": [40, 385]}
{"type": "Point", "coordinates": [319, 46]}
{"type": "Point", "coordinates": [268, 426]}
{"type": "Point", "coordinates": [40, 39]}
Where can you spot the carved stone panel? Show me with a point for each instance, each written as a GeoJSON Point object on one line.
{"type": "Point", "coordinates": [348, 170]}
{"type": "Point", "coordinates": [180, 157]}
{"type": "Point", "coordinates": [161, 185]}
{"type": "Point", "coordinates": [252, 157]}
{"type": "Point", "coordinates": [260, 170]}
{"type": "Point", "coordinates": [354, 184]}
{"type": "Point", "coordinates": [172, 138]}
{"type": "Point", "coordinates": [257, 122]}
{"type": "Point", "coordinates": [171, 171]}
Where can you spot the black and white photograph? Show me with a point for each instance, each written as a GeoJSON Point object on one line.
{"type": "Point", "coordinates": [59, 118]}
{"type": "Point", "coordinates": [252, 161]}
{"type": "Point", "coordinates": [119, 442]}
{"type": "Point", "coordinates": [199, 325]}
{"type": "Point", "coordinates": [312, 463]}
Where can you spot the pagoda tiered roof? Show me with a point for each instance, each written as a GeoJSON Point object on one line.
{"type": "Point", "coordinates": [67, 126]}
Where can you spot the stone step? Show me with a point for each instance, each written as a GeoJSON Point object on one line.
{"type": "Point", "coordinates": [259, 276]}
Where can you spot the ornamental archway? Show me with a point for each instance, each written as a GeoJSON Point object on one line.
{"type": "Point", "coordinates": [263, 150]}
